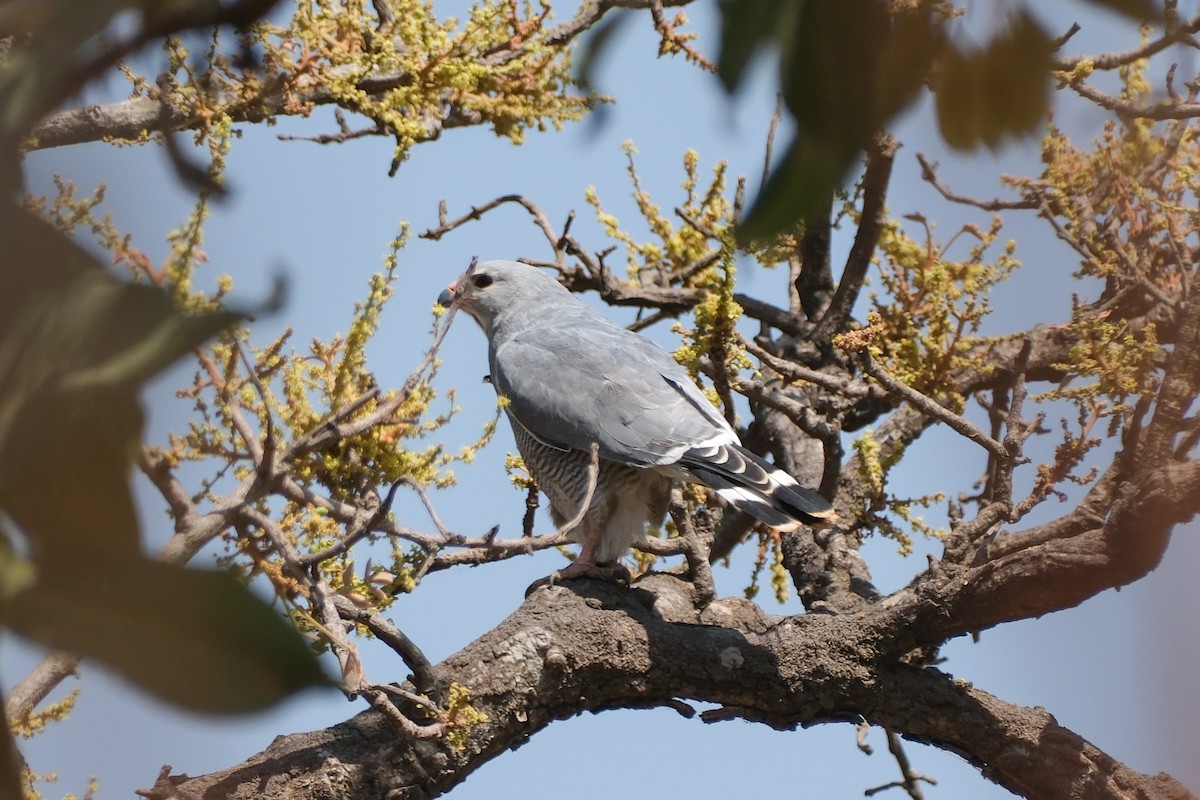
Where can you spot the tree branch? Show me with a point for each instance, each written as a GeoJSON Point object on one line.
{"type": "Point", "coordinates": [602, 647]}
{"type": "Point", "coordinates": [133, 118]}
{"type": "Point", "coordinates": [875, 180]}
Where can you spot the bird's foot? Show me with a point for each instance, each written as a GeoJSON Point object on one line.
{"type": "Point", "coordinates": [613, 573]}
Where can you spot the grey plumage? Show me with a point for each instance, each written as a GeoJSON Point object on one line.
{"type": "Point", "coordinates": [573, 378]}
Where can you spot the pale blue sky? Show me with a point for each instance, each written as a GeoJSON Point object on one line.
{"type": "Point", "coordinates": [323, 217]}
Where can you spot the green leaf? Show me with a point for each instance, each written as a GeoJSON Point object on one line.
{"type": "Point", "coordinates": [146, 333]}
{"type": "Point", "coordinates": [846, 69]}
{"type": "Point", "coordinates": [747, 28]}
{"type": "Point", "coordinates": [798, 186]}
{"type": "Point", "coordinates": [1000, 91]}
{"type": "Point", "coordinates": [597, 42]}
{"type": "Point", "coordinates": [1140, 10]}
{"type": "Point", "coordinates": [828, 73]}
{"type": "Point", "coordinates": [198, 639]}
{"type": "Point", "coordinates": [75, 346]}
{"type": "Point", "coordinates": [42, 64]}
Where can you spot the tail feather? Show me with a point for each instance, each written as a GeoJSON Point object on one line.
{"type": "Point", "coordinates": [752, 485]}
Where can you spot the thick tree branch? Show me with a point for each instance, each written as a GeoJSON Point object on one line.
{"type": "Point", "coordinates": [600, 647]}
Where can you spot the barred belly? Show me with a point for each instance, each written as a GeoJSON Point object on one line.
{"type": "Point", "coordinates": [625, 498]}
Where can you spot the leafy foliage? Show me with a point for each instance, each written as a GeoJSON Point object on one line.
{"type": "Point", "coordinates": [927, 318]}
{"type": "Point", "coordinates": [881, 54]}
{"type": "Point", "coordinates": [76, 344]}
{"type": "Point", "coordinates": [305, 450]}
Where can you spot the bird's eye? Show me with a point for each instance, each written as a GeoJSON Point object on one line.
{"type": "Point", "coordinates": [482, 281]}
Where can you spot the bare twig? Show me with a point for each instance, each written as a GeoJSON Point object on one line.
{"type": "Point", "coordinates": [791, 371]}
{"type": "Point", "coordinates": [486, 549]}
{"type": "Point", "coordinates": [772, 129]}
{"type": "Point", "coordinates": [931, 407]}
{"type": "Point", "coordinates": [386, 631]}
{"type": "Point", "coordinates": [531, 507]}
{"type": "Point", "coordinates": [771, 394]}
{"type": "Point", "coordinates": [1175, 34]}
{"type": "Point", "coordinates": [356, 533]}
{"type": "Point", "coordinates": [378, 695]}
{"type": "Point", "coordinates": [929, 175]}
{"type": "Point", "coordinates": [861, 730]}
{"type": "Point", "coordinates": [910, 780]}
{"type": "Point", "coordinates": [446, 225]}
{"type": "Point", "coordinates": [694, 546]}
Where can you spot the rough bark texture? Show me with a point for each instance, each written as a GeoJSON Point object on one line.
{"type": "Point", "coordinates": [593, 646]}
{"type": "Point", "coordinates": [855, 654]}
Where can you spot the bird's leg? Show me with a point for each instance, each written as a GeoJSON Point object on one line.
{"type": "Point", "coordinates": [589, 546]}
{"type": "Point", "coordinates": [585, 566]}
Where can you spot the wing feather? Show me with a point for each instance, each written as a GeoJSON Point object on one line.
{"type": "Point", "coordinates": [582, 379]}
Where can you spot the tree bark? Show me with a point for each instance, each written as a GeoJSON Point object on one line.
{"type": "Point", "coordinates": [594, 646]}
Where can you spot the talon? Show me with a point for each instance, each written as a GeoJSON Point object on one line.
{"type": "Point", "coordinates": [612, 573]}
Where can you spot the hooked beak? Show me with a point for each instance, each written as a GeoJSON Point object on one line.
{"type": "Point", "coordinates": [447, 295]}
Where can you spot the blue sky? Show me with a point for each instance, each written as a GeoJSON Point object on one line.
{"type": "Point", "coordinates": [1116, 670]}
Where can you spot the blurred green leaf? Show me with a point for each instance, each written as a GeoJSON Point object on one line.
{"type": "Point", "coordinates": [1140, 10]}
{"type": "Point", "coordinates": [828, 73]}
{"type": "Point", "coordinates": [75, 346]}
{"type": "Point", "coordinates": [16, 573]}
{"type": "Point", "coordinates": [999, 91]}
{"type": "Point", "coordinates": [97, 330]}
{"type": "Point", "coordinates": [597, 42]}
{"type": "Point", "coordinates": [845, 70]}
{"type": "Point", "coordinates": [10, 764]}
{"type": "Point", "coordinates": [797, 185]}
{"type": "Point", "coordinates": [39, 70]}
{"type": "Point", "coordinates": [198, 639]}
{"type": "Point", "coordinates": [749, 27]}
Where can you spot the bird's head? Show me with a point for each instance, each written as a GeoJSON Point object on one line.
{"type": "Point", "coordinates": [498, 291]}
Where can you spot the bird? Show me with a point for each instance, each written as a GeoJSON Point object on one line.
{"type": "Point", "coordinates": [572, 380]}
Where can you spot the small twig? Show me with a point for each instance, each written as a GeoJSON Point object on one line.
{"type": "Point", "coordinates": [541, 220]}
{"type": "Point", "coordinates": [264, 453]}
{"type": "Point", "coordinates": [929, 175]}
{"type": "Point", "coordinates": [349, 514]}
{"type": "Point", "coordinates": [672, 40]}
{"type": "Point", "coordinates": [651, 319]}
{"type": "Point", "coordinates": [344, 134]}
{"type": "Point", "coordinates": [769, 150]}
{"type": "Point", "coordinates": [386, 631]}
{"type": "Point", "coordinates": [686, 711]}
{"type": "Point", "coordinates": [164, 788]}
{"type": "Point", "coordinates": [487, 548]}
{"type": "Point", "coordinates": [427, 503]}
{"type": "Point", "coordinates": [337, 428]}
{"type": "Point", "coordinates": [861, 730]}
{"type": "Point", "coordinates": [873, 215]}
{"type": "Point", "coordinates": [379, 700]}
{"type": "Point", "coordinates": [1065, 37]}
{"type": "Point", "coordinates": [357, 533]}
{"type": "Point", "coordinates": [1016, 431]}
{"type": "Point", "coordinates": [1110, 61]}
{"type": "Point", "coordinates": [792, 371]}
{"type": "Point", "coordinates": [695, 550]}
{"type": "Point", "coordinates": [531, 507]}
{"type": "Point", "coordinates": [927, 405]}
{"type": "Point", "coordinates": [911, 779]}
{"type": "Point", "coordinates": [804, 416]}
{"type": "Point", "coordinates": [404, 694]}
